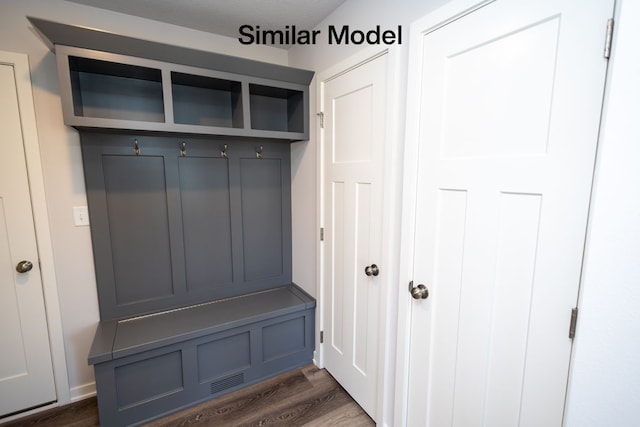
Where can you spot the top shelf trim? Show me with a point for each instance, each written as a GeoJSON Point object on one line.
{"type": "Point", "coordinates": [72, 35]}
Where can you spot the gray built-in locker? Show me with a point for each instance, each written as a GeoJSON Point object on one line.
{"type": "Point", "coordinates": [188, 177]}
{"type": "Point", "coordinates": [184, 220]}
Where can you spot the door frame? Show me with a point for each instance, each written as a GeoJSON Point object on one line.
{"type": "Point", "coordinates": [390, 240]}
{"type": "Point", "coordinates": [20, 63]}
{"type": "Point", "coordinates": [422, 26]}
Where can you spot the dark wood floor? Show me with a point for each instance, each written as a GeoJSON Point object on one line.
{"type": "Point", "coordinates": [303, 397]}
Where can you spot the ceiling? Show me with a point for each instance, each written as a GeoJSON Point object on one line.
{"type": "Point", "coordinates": [224, 17]}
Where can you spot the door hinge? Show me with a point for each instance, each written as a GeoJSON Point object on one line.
{"type": "Point", "coordinates": [322, 234]}
{"type": "Point", "coordinates": [321, 115]}
{"type": "Point", "coordinates": [321, 337]}
{"type": "Point", "coordinates": [574, 320]}
{"type": "Point", "coordinates": [608, 39]}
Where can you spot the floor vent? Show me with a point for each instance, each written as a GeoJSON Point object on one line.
{"type": "Point", "coordinates": [226, 383]}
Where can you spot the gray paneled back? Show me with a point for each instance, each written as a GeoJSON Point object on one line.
{"type": "Point", "coordinates": [170, 230]}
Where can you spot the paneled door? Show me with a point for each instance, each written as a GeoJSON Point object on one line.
{"type": "Point", "coordinates": [26, 372]}
{"type": "Point", "coordinates": [504, 114]}
{"type": "Point", "coordinates": [353, 104]}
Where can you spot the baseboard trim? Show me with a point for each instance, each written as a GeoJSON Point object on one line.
{"type": "Point", "coordinates": [82, 392]}
{"type": "Point", "coordinates": [24, 414]}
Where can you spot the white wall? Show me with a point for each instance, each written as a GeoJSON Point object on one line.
{"type": "Point", "coordinates": [60, 151]}
{"type": "Point", "coordinates": [604, 387]}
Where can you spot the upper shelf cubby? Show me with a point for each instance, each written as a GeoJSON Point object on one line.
{"type": "Point", "coordinates": [276, 109]}
{"type": "Point", "coordinates": [117, 91]}
{"type": "Point", "coordinates": [109, 81]}
{"type": "Point", "coordinates": [206, 101]}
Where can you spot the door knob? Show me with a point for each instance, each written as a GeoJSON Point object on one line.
{"type": "Point", "coordinates": [371, 270]}
{"type": "Point", "coordinates": [24, 266]}
{"type": "Point", "coordinates": [418, 292]}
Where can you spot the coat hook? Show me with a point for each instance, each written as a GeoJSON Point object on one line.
{"type": "Point", "coordinates": [259, 152]}
{"type": "Point", "coordinates": [223, 152]}
{"type": "Point", "coordinates": [136, 148]}
{"type": "Point", "coordinates": [183, 149]}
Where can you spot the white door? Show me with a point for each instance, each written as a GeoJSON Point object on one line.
{"type": "Point", "coordinates": [353, 104]}
{"type": "Point", "coordinates": [26, 373]}
{"type": "Point", "coordinates": [504, 114]}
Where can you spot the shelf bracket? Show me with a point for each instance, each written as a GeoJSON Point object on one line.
{"type": "Point", "coordinates": [259, 152]}
{"type": "Point", "coordinates": [136, 147]}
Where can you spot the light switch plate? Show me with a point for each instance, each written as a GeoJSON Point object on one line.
{"type": "Point", "coordinates": [80, 216]}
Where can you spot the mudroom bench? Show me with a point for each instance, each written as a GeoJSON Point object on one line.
{"type": "Point", "coordinates": [152, 365]}
{"type": "Point", "coordinates": [187, 170]}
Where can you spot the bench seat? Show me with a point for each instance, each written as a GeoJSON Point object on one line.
{"type": "Point", "coordinates": [149, 366]}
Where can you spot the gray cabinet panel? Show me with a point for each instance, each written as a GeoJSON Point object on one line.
{"type": "Point", "coordinates": [223, 356]}
{"type": "Point", "coordinates": [206, 221]}
{"type": "Point", "coordinates": [139, 228]}
{"type": "Point", "coordinates": [262, 218]}
{"type": "Point", "coordinates": [173, 227]}
{"type": "Point", "coordinates": [283, 339]}
{"type": "Point", "coordinates": [148, 378]}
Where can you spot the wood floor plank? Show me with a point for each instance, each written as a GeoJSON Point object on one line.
{"type": "Point", "coordinates": [303, 397]}
{"type": "Point", "coordinates": [234, 406]}
{"type": "Point", "coordinates": [80, 414]}
{"type": "Point", "coordinates": [303, 411]}
{"type": "Point", "coordinates": [351, 415]}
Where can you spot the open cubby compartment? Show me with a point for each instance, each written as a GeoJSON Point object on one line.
{"type": "Point", "coordinates": [112, 90]}
{"type": "Point", "coordinates": [206, 101]}
{"type": "Point", "coordinates": [276, 108]}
